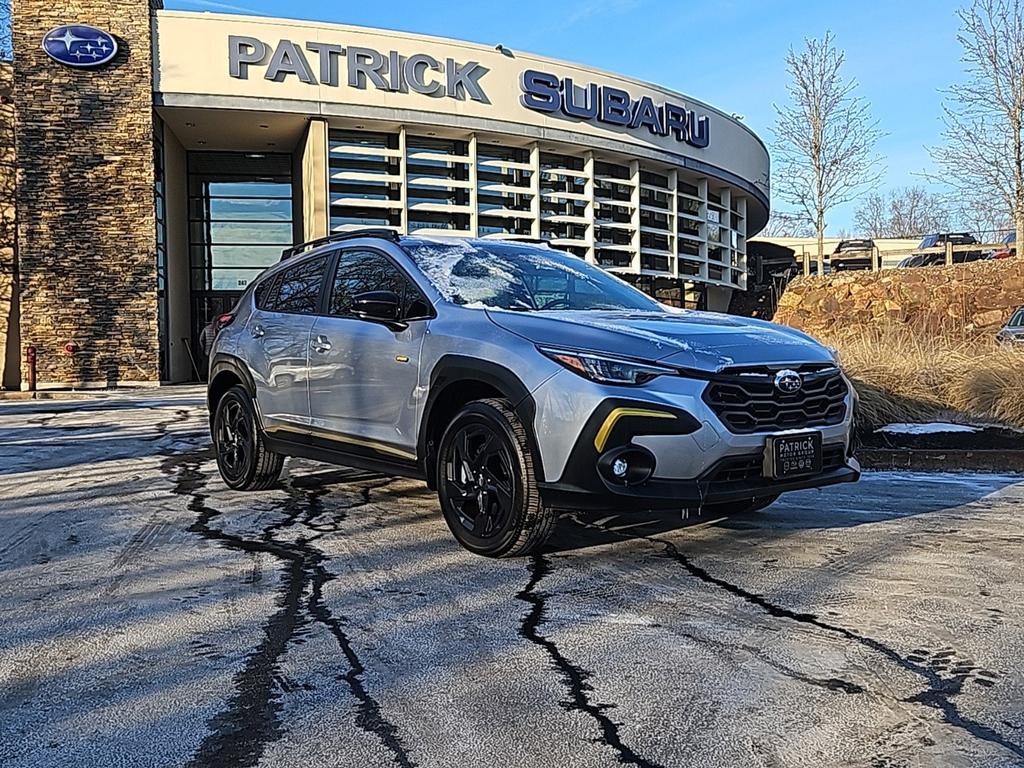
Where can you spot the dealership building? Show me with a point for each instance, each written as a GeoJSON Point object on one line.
{"type": "Point", "coordinates": [162, 159]}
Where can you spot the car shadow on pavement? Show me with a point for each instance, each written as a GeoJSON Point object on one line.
{"type": "Point", "coordinates": [880, 496]}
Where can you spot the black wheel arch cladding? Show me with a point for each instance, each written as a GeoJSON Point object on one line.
{"type": "Point", "coordinates": [466, 373]}
{"type": "Point", "coordinates": [226, 371]}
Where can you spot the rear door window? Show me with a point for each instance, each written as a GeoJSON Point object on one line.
{"type": "Point", "coordinates": [298, 289]}
{"type": "Point", "coordinates": [266, 292]}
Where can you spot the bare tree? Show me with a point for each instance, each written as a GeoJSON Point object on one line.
{"type": "Point", "coordinates": [983, 154]}
{"type": "Point", "coordinates": [986, 217]}
{"type": "Point", "coordinates": [872, 216]}
{"type": "Point", "coordinates": [825, 137]}
{"type": "Point", "coordinates": [784, 224]}
{"type": "Point", "coordinates": [903, 213]}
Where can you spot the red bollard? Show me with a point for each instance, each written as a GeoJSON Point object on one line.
{"type": "Point", "coordinates": [30, 360]}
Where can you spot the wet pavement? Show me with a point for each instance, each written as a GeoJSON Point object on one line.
{"type": "Point", "coordinates": [151, 617]}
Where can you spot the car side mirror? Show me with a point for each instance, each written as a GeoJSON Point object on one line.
{"type": "Point", "coordinates": [385, 306]}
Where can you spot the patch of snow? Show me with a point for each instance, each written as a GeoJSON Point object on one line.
{"type": "Point", "coordinates": [932, 428]}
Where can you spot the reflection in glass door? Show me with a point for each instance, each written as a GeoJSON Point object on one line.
{"type": "Point", "coordinates": [240, 219]}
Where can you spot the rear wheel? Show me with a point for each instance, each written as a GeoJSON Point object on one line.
{"type": "Point", "coordinates": [741, 507]}
{"type": "Point", "coordinates": [486, 483]}
{"type": "Point", "coordinates": [244, 461]}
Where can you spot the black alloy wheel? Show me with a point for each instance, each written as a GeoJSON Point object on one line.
{"type": "Point", "coordinates": [244, 461]}
{"type": "Point", "coordinates": [487, 485]}
{"type": "Point", "coordinates": [234, 441]}
{"type": "Point", "coordinates": [478, 479]}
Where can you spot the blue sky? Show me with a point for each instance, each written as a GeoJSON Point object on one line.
{"type": "Point", "coordinates": [730, 54]}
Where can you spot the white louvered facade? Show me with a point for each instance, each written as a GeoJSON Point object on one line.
{"type": "Point", "coordinates": [631, 216]}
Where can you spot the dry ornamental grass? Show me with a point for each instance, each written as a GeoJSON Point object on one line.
{"type": "Point", "coordinates": [902, 376]}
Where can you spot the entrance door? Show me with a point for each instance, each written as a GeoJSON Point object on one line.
{"type": "Point", "coordinates": [240, 219]}
{"type": "Point", "coordinates": [206, 305]}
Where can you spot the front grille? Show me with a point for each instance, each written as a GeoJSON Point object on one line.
{"type": "Point", "coordinates": [746, 399]}
{"type": "Point", "coordinates": [740, 468]}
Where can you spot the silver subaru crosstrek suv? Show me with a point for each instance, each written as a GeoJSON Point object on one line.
{"type": "Point", "coordinates": [517, 381]}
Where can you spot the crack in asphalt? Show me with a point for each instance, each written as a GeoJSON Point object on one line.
{"type": "Point", "coordinates": [179, 416]}
{"type": "Point", "coordinates": [837, 684]}
{"type": "Point", "coordinates": [240, 733]}
{"type": "Point", "coordinates": [939, 692]}
{"type": "Point", "coordinates": [574, 677]}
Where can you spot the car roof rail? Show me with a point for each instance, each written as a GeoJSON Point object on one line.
{"type": "Point", "coordinates": [527, 240]}
{"type": "Point", "coordinates": [335, 237]}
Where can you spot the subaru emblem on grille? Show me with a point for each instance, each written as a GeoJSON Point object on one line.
{"type": "Point", "coordinates": [788, 382]}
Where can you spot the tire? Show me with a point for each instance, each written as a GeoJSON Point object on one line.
{"type": "Point", "coordinates": [487, 485]}
{"type": "Point", "coordinates": [741, 507]}
{"type": "Point", "coordinates": [244, 461]}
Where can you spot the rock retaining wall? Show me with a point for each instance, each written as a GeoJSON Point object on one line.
{"type": "Point", "coordinates": [975, 299]}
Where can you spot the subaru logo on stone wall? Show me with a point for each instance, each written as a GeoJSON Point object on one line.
{"type": "Point", "coordinates": [79, 45]}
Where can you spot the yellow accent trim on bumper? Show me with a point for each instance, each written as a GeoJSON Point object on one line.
{"type": "Point", "coordinates": [601, 438]}
{"type": "Point", "coordinates": [339, 438]}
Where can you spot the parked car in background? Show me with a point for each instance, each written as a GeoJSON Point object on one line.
{"type": "Point", "coordinates": [1013, 331]}
{"type": "Point", "coordinates": [933, 258]}
{"type": "Point", "coordinates": [1009, 247]}
{"type": "Point", "coordinates": [853, 254]}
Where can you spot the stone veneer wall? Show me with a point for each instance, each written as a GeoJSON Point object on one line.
{"type": "Point", "coordinates": [86, 224]}
{"type": "Point", "coordinates": [975, 299]}
{"type": "Point", "coordinates": [9, 328]}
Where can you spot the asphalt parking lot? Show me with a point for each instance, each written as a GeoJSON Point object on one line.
{"type": "Point", "coordinates": [151, 617]}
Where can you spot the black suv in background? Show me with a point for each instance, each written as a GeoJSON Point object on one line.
{"type": "Point", "coordinates": [853, 254]}
{"type": "Point", "coordinates": [932, 259]}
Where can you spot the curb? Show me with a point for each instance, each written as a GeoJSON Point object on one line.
{"type": "Point", "coordinates": [941, 461]}
{"type": "Point", "coordinates": [48, 395]}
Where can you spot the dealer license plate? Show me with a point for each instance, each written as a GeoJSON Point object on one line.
{"type": "Point", "coordinates": [792, 455]}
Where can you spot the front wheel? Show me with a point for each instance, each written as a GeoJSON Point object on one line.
{"type": "Point", "coordinates": [486, 483]}
{"type": "Point", "coordinates": [244, 461]}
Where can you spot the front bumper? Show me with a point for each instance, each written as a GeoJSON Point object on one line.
{"type": "Point", "coordinates": [678, 494]}
{"type": "Point", "coordinates": [697, 459]}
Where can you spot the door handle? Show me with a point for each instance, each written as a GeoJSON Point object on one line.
{"type": "Point", "coordinates": [257, 331]}
{"type": "Point", "coordinates": [321, 344]}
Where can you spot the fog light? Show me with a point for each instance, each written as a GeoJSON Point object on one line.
{"type": "Point", "coordinates": [628, 465]}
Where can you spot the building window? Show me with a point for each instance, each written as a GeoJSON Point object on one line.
{"type": "Point", "coordinates": [438, 184]}
{"type": "Point", "coordinates": [365, 180]}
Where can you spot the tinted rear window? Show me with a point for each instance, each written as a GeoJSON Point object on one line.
{"type": "Point", "coordinates": [298, 289]}
{"type": "Point", "coordinates": [266, 292]}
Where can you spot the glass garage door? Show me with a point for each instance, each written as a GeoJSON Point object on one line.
{"type": "Point", "coordinates": [240, 219]}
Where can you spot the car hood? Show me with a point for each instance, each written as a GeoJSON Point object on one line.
{"type": "Point", "coordinates": [701, 340]}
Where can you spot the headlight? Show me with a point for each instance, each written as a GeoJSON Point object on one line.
{"type": "Point", "coordinates": [604, 369]}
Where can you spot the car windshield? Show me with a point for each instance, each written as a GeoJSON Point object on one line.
{"type": "Point", "coordinates": [520, 277]}
{"type": "Point", "coordinates": [854, 245]}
